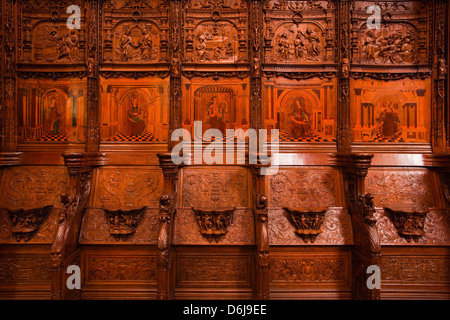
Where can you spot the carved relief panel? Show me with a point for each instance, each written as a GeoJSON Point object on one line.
{"type": "Point", "coordinates": [219, 105]}
{"type": "Point", "coordinates": [127, 187]}
{"type": "Point", "coordinates": [215, 31]}
{"type": "Point", "coordinates": [303, 112]}
{"type": "Point", "coordinates": [394, 111]}
{"type": "Point", "coordinates": [134, 31]}
{"type": "Point", "coordinates": [45, 37]}
{"type": "Point", "coordinates": [299, 31]}
{"type": "Point", "coordinates": [134, 112]}
{"type": "Point", "coordinates": [50, 111]}
{"type": "Point", "coordinates": [400, 38]}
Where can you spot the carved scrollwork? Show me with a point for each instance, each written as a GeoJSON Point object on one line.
{"type": "Point", "coordinates": [123, 223]}
{"type": "Point", "coordinates": [307, 222]}
{"type": "Point", "coordinates": [214, 223]}
{"type": "Point", "coordinates": [134, 74]}
{"type": "Point", "coordinates": [25, 223]}
{"type": "Point", "coordinates": [216, 75]}
{"type": "Point", "coordinates": [299, 75]}
{"type": "Point", "coordinates": [391, 76]}
{"type": "Point", "coordinates": [408, 222]}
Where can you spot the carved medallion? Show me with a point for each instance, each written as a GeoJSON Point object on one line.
{"type": "Point", "coordinates": [26, 222]}
{"type": "Point", "coordinates": [408, 222]}
{"type": "Point", "coordinates": [123, 223]}
{"type": "Point", "coordinates": [214, 223]}
{"type": "Point", "coordinates": [307, 222]}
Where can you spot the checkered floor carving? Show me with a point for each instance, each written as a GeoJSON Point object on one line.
{"type": "Point", "coordinates": [396, 138]}
{"type": "Point", "coordinates": [143, 137]}
{"type": "Point", "coordinates": [54, 137]}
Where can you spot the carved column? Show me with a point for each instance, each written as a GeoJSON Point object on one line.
{"type": "Point", "coordinates": [65, 250]}
{"type": "Point", "coordinates": [93, 127]}
{"type": "Point", "coordinates": [261, 234]}
{"type": "Point", "coordinates": [344, 130]}
{"type": "Point", "coordinates": [440, 76]}
{"type": "Point", "coordinates": [8, 134]}
{"type": "Point", "coordinates": [175, 70]}
{"type": "Point", "coordinates": [256, 54]}
{"type": "Point", "coordinates": [167, 210]}
{"type": "Point", "coordinates": [366, 249]}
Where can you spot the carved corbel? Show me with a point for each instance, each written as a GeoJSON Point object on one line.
{"type": "Point", "coordinates": [307, 222]}
{"type": "Point", "coordinates": [408, 222]}
{"type": "Point", "coordinates": [123, 223]}
{"type": "Point", "coordinates": [214, 223]}
{"type": "Point", "coordinates": [25, 223]}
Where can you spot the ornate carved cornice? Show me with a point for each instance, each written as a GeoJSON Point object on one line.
{"type": "Point", "coordinates": [134, 74]}
{"type": "Point", "coordinates": [216, 75]}
{"type": "Point", "coordinates": [299, 75]}
{"type": "Point", "coordinates": [51, 74]}
{"type": "Point", "coordinates": [391, 76]}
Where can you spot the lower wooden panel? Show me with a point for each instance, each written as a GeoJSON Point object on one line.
{"type": "Point", "coordinates": [310, 273]}
{"type": "Point", "coordinates": [25, 272]}
{"type": "Point", "coordinates": [214, 272]}
{"type": "Point", "coordinates": [415, 272]}
{"type": "Point", "coordinates": [118, 272]}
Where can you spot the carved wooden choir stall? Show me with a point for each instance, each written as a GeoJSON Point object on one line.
{"type": "Point", "coordinates": [358, 91]}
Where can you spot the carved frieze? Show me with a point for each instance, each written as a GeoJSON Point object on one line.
{"type": "Point", "coordinates": [25, 223]}
{"type": "Point", "coordinates": [25, 268]}
{"type": "Point", "coordinates": [120, 268]}
{"type": "Point", "coordinates": [419, 269]}
{"type": "Point", "coordinates": [309, 269]}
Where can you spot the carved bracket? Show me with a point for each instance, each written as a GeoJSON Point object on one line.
{"type": "Point", "coordinates": [408, 222]}
{"type": "Point", "coordinates": [307, 222]}
{"type": "Point", "coordinates": [25, 223]}
{"type": "Point", "coordinates": [123, 223]}
{"type": "Point", "coordinates": [214, 223]}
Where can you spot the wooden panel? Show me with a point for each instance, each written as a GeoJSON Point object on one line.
{"type": "Point", "coordinates": [240, 232]}
{"type": "Point", "coordinates": [415, 273]}
{"type": "Point", "coordinates": [25, 272]}
{"type": "Point", "coordinates": [118, 273]}
{"type": "Point", "coordinates": [208, 273]}
{"type": "Point", "coordinates": [310, 273]}
{"type": "Point", "coordinates": [336, 229]}
{"type": "Point", "coordinates": [122, 187]}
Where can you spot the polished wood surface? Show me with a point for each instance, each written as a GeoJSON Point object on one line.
{"type": "Point", "coordinates": [87, 178]}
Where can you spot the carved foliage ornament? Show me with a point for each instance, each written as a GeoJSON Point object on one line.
{"type": "Point", "coordinates": [25, 223]}
{"type": "Point", "coordinates": [408, 222]}
{"type": "Point", "coordinates": [214, 223]}
{"type": "Point", "coordinates": [307, 222]}
{"type": "Point", "coordinates": [123, 223]}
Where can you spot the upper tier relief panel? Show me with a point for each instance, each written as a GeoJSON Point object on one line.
{"type": "Point", "coordinates": [215, 31]}
{"type": "Point", "coordinates": [134, 31]}
{"type": "Point", "coordinates": [44, 36]}
{"type": "Point", "coordinates": [299, 32]}
{"type": "Point", "coordinates": [390, 33]}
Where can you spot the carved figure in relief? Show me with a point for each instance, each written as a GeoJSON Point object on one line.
{"type": "Point", "coordinates": [283, 47]}
{"type": "Point", "coordinates": [391, 44]}
{"type": "Point", "coordinates": [442, 68]}
{"type": "Point", "coordinates": [298, 43]}
{"type": "Point", "coordinates": [125, 47]}
{"type": "Point", "coordinates": [201, 49]}
{"type": "Point", "coordinates": [136, 124]}
{"type": "Point", "coordinates": [300, 119]}
{"type": "Point", "coordinates": [146, 44]}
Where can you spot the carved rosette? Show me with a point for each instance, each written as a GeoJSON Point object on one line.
{"type": "Point", "coordinates": [408, 222]}
{"type": "Point", "coordinates": [214, 223]}
{"type": "Point", "coordinates": [307, 222]}
{"type": "Point", "coordinates": [25, 223]}
{"type": "Point", "coordinates": [123, 223]}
